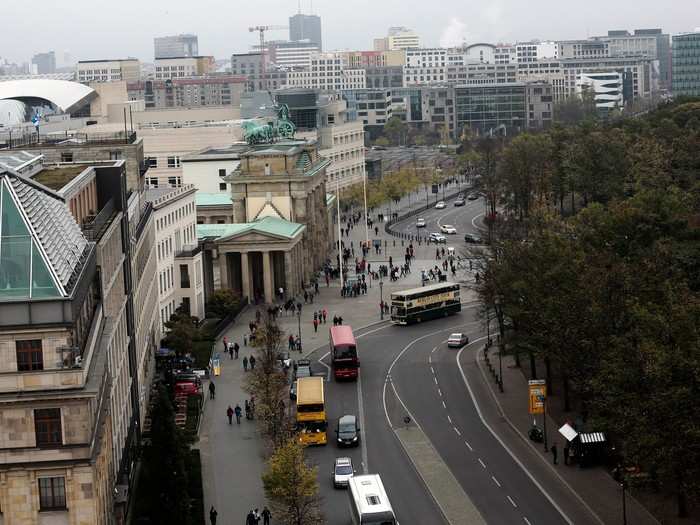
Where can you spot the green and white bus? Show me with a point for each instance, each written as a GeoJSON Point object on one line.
{"type": "Point", "coordinates": [425, 303]}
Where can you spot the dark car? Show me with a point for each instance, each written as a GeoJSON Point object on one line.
{"type": "Point", "coordinates": [473, 196]}
{"type": "Point", "coordinates": [460, 202]}
{"type": "Point", "coordinates": [471, 238]}
{"type": "Point", "coordinates": [347, 432]}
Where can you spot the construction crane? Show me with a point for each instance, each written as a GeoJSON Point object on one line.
{"type": "Point", "coordinates": [261, 30]}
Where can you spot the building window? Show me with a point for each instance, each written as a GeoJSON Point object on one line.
{"type": "Point", "coordinates": [184, 276]}
{"type": "Point", "coordinates": [52, 493]}
{"type": "Point", "coordinates": [66, 156]}
{"type": "Point", "coordinates": [47, 425]}
{"type": "Point", "coordinates": [173, 162]}
{"type": "Point", "coordinates": [115, 155]}
{"type": "Point", "coordinates": [222, 173]}
{"type": "Point", "coordinates": [29, 355]}
{"type": "Point", "coordinates": [186, 305]}
{"type": "Point", "coordinates": [152, 162]}
{"type": "Point", "coordinates": [222, 186]}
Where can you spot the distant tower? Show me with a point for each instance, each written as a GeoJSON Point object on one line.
{"type": "Point", "coordinates": [306, 27]}
{"type": "Point", "coordinates": [177, 46]}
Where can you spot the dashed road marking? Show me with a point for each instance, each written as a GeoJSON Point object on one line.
{"type": "Point", "coordinates": [435, 379]}
{"type": "Point", "coordinates": [469, 446]}
{"type": "Point", "coordinates": [457, 430]}
{"type": "Point", "coordinates": [512, 502]}
{"type": "Point", "coordinates": [444, 405]}
{"type": "Point", "coordinates": [439, 392]}
{"type": "Point", "coordinates": [482, 463]}
{"type": "Point", "coordinates": [526, 520]}
{"type": "Point", "coordinates": [432, 370]}
{"type": "Point", "coordinates": [496, 481]}
{"type": "Point", "coordinates": [430, 359]}
{"type": "Point", "coordinates": [449, 418]}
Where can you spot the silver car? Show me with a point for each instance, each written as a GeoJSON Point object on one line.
{"type": "Point", "coordinates": [342, 472]}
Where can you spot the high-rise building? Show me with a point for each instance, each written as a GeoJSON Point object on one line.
{"type": "Point", "coordinates": [306, 27]}
{"type": "Point", "coordinates": [328, 72]}
{"type": "Point", "coordinates": [45, 63]}
{"type": "Point", "coordinates": [249, 65]}
{"type": "Point", "coordinates": [176, 46]}
{"type": "Point", "coordinates": [686, 64]}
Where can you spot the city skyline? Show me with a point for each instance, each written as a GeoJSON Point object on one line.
{"type": "Point", "coordinates": [501, 21]}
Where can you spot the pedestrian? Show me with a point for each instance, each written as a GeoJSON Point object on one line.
{"type": "Point", "coordinates": [324, 314]}
{"type": "Point", "coordinates": [237, 411]}
{"type": "Point", "coordinates": [212, 515]}
{"type": "Point", "coordinates": [340, 320]}
{"type": "Point", "coordinates": [567, 451]}
{"type": "Point", "coordinates": [247, 410]}
{"type": "Point", "coordinates": [256, 514]}
{"type": "Point", "coordinates": [306, 296]}
{"type": "Point", "coordinates": [554, 453]}
{"type": "Point", "coordinates": [230, 350]}
{"type": "Point", "coordinates": [212, 390]}
{"type": "Point", "coordinates": [335, 320]}
{"type": "Point", "coordinates": [291, 342]}
{"type": "Point", "coordinates": [229, 414]}
{"type": "Point", "coordinates": [252, 362]}
{"type": "Point", "coordinates": [236, 348]}
{"type": "Point", "coordinates": [266, 515]}
{"type": "Point", "coordinates": [250, 518]}
{"type": "Point", "coordinates": [245, 364]}
{"type": "Point", "coordinates": [298, 344]}
{"type": "Point", "coordinates": [245, 340]}
{"type": "Point", "coordinates": [315, 325]}
{"type": "Point", "coordinates": [225, 344]}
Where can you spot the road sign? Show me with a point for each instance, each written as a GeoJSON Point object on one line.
{"type": "Point", "coordinates": [538, 395]}
{"type": "Point", "coordinates": [435, 188]}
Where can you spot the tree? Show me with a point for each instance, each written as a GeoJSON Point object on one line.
{"type": "Point", "coordinates": [268, 383]}
{"type": "Point", "coordinates": [222, 303]}
{"type": "Point", "coordinates": [396, 131]}
{"type": "Point", "coordinates": [291, 486]}
{"type": "Point", "coordinates": [182, 329]}
{"type": "Point", "coordinates": [575, 109]}
{"type": "Point", "coordinates": [163, 495]}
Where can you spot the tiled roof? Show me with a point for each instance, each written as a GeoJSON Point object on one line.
{"type": "Point", "coordinates": [266, 225]}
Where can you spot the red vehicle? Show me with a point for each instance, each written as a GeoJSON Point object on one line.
{"type": "Point", "coordinates": [344, 353]}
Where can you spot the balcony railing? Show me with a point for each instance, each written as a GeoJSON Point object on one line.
{"type": "Point", "coordinates": [188, 250]}
{"type": "Point", "coordinates": [69, 139]}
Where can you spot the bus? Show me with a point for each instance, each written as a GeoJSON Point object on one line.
{"type": "Point", "coordinates": [311, 411]}
{"type": "Point", "coordinates": [369, 502]}
{"type": "Point", "coordinates": [343, 353]}
{"type": "Point", "coordinates": [425, 303]}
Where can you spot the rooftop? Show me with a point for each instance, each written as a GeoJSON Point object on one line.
{"type": "Point", "coordinates": [57, 178]}
{"type": "Point", "coordinates": [213, 199]}
{"type": "Point", "coordinates": [267, 226]}
{"type": "Point", "coordinates": [16, 159]}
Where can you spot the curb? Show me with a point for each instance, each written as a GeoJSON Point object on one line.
{"type": "Point", "coordinates": [479, 363]}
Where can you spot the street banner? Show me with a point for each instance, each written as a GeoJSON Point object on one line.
{"type": "Point", "coordinates": [537, 395]}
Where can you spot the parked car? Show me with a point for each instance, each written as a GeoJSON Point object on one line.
{"type": "Point", "coordinates": [448, 228]}
{"type": "Point", "coordinates": [437, 237]}
{"type": "Point", "coordinates": [347, 432]}
{"type": "Point", "coordinates": [473, 196]}
{"type": "Point", "coordinates": [342, 472]}
{"type": "Point", "coordinates": [420, 223]}
{"type": "Point", "coordinates": [471, 238]}
{"type": "Point", "coordinates": [440, 205]}
{"type": "Point", "coordinates": [460, 201]}
{"type": "Point", "coordinates": [457, 340]}
{"type": "Point", "coordinates": [187, 384]}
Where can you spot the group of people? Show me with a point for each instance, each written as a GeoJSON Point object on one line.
{"type": "Point", "coordinates": [319, 318]}
{"type": "Point", "coordinates": [252, 518]}
{"type": "Point", "coordinates": [355, 288]}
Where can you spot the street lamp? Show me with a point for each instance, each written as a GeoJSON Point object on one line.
{"type": "Point", "coordinates": [381, 297]}
{"type": "Point", "coordinates": [624, 502]}
{"type": "Point", "coordinates": [499, 314]}
{"type": "Point", "coordinates": [299, 325]}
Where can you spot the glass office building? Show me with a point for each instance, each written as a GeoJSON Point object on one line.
{"type": "Point", "coordinates": [686, 65]}
{"type": "Point", "coordinates": [496, 108]}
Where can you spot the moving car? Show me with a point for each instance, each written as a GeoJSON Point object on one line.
{"type": "Point", "coordinates": [440, 205]}
{"type": "Point", "coordinates": [348, 433]}
{"type": "Point", "coordinates": [471, 238]}
{"type": "Point", "coordinates": [420, 223]}
{"type": "Point", "coordinates": [448, 228]}
{"type": "Point", "coordinates": [473, 196]}
{"type": "Point", "coordinates": [437, 237]}
{"type": "Point", "coordinates": [457, 340]}
{"type": "Point", "coordinates": [342, 472]}
{"type": "Point", "coordinates": [460, 201]}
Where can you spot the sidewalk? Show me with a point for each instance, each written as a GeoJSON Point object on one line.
{"type": "Point", "coordinates": [233, 456]}
{"type": "Point", "coordinates": [594, 485]}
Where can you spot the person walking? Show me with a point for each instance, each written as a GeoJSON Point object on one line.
{"type": "Point", "coordinates": [237, 411]}
{"type": "Point", "coordinates": [230, 350]}
{"type": "Point", "coordinates": [212, 390]}
{"type": "Point", "coordinates": [236, 348]}
{"type": "Point", "coordinates": [225, 344]}
{"type": "Point", "coordinates": [315, 325]}
{"type": "Point", "coordinates": [266, 515]}
{"type": "Point", "coordinates": [252, 362]}
{"type": "Point", "coordinates": [229, 414]}
{"type": "Point", "coordinates": [324, 314]}
{"type": "Point", "coordinates": [245, 340]}
{"type": "Point", "coordinates": [250, 518]}
{"type": "Point", "coordinates": [212, 515]}
{"type": "Point", "coordinates": [245, 364]}
{"type": "Point", "coordinates": [256, 515]}
{"type": "Point", "coordinates": [554, 453]}
{"type": "Point", "coordinates": [291, 342]}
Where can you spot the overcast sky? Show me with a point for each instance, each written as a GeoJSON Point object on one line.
{"type": "Point", "coordinates": [96, 29]}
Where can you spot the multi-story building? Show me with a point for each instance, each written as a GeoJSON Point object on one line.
{"type": "Point", "coordinates": [583, 49]}
{"type": "Point", "coordinates": [686, 64]}
{"type": "Point", "coordinates": [606, 89]}
{"type": "Point", "coordinates": [383, 77]}
{"type": "Point", "coordinates": [75, 354]}
{"type": "Point", "coordinates": [369, 59]}
{"type": "Point", "coordinates": [505, 54]}
{"type": "Point", "coordinates": [534, 51]}
{"type": "Point", "coordinates": [373, 106]}
{"type": "Point", "coordinates": [306, 27]}
{"type": "Point", "coordinates": [249, 65]}
{"type": "Point", "coordinates": [179, 67]}
{"type": "Point", "coordinates": [184, 45]}
{"type": "Point", "coordinates": [477, 74]}
{"type": "Point", "coordinates": [179, 270]}
{"type": "Point", "coordinates": [328, 72]}
{"type": "Point", "coordinates": [45, 63]}
{"type": "Point", "coordinates": [495, 108]}
{"type": "Point", "coordinates": [638, 74]}
{"type": "Point", "coordinates": [402, 38]}
{"type": "Point", "coordinates": [540, 104]}
{"type": "Point", "coordinates": [188, 92]}
{"type": "Point", "coordinates": [128, 69]}
{"type": "Point", "coordinates": [293, 54]}
{"type": "Point", "coordinates": [482, 53]}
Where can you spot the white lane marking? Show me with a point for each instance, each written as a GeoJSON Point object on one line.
{"type": "Point", "coordinates": [430, 358]}
{"type": "Point", "coordinates": [433, 350]}
{"type": "Point", "coordinates": [320, 360]}
{"type": "Point", "coordinates": [526, 520]}
{"type": "Point", "coordinates": [457, 430]}
{"type": "Point", "coordinates": [432, 370]}
{"type": "Point", "coordinates": [475, 218]}
{"type": "Point", "coordinates": [498, 438]}
{"type": "Point", "coordinates": [363, 437]}
{"type": "Point", "coordinates": [435, 379]}
{"type": "Point", "coordinates": [512, 502]}
{"type": "Point", "coordinates": [449, 419]}
{"type": "Point", "coordinates": [439, 392]}
{"type": "Point", "coordinates": [482, 463]}
{"type": "Point", "coordinates": [496, 481]}
{"type": "Point", "coordinates": [444, 405]}
{"type": "Point", "coordinates": [469, 446]}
